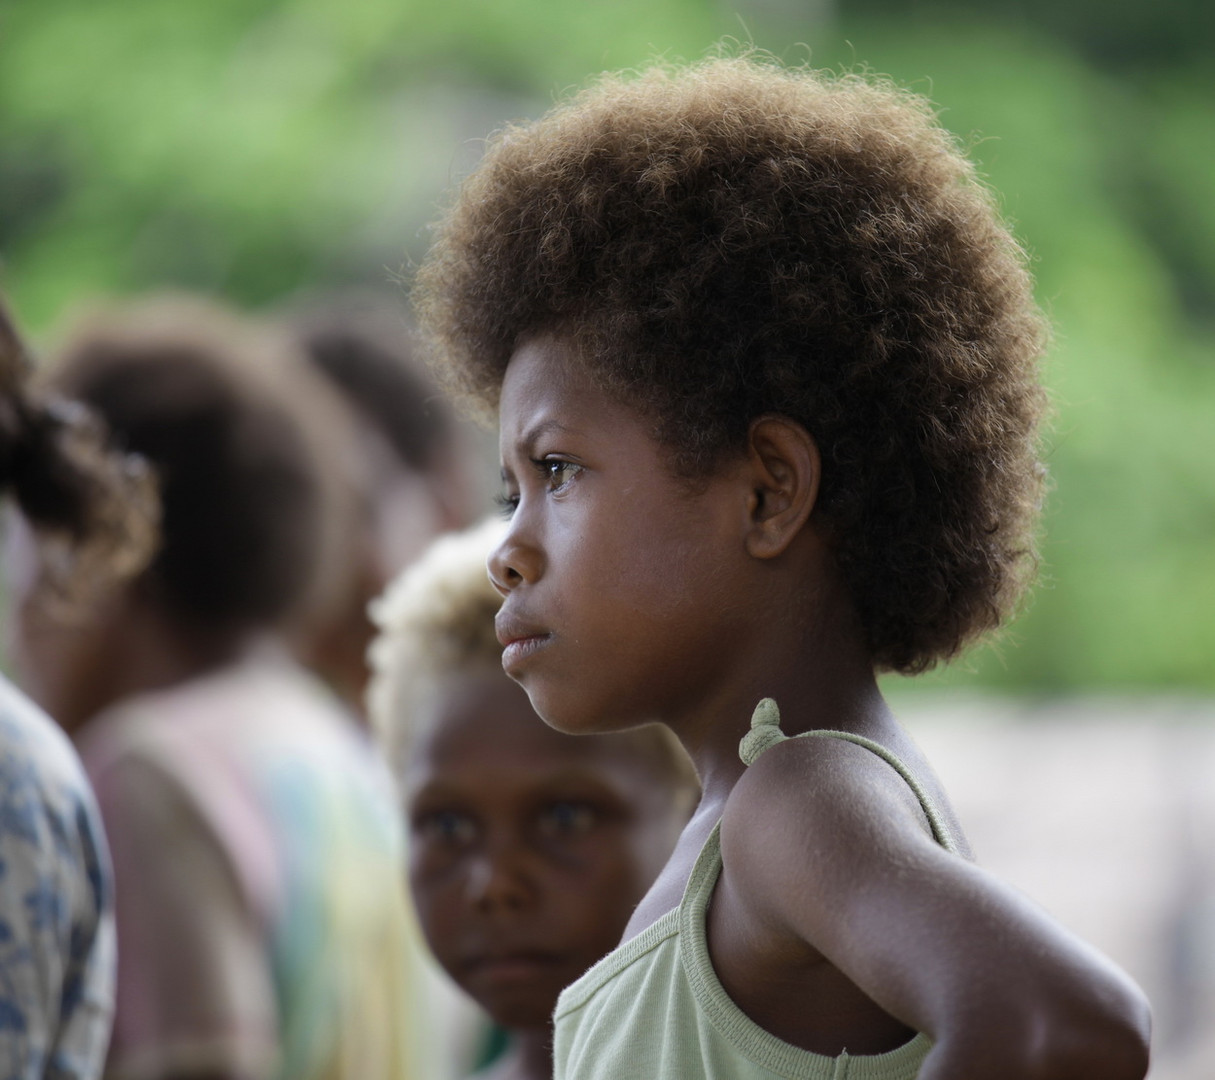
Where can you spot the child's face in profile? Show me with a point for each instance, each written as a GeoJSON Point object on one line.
{"type": "Point", "coordinates": [627, 589]}
{"type": "Point", "coordinates": [529, 849]}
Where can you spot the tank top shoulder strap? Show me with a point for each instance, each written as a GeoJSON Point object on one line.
{"type": "Point", "coordinates": [765, 733]}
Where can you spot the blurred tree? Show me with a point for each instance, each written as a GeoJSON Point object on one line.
{"type": "Point", "coordinates": [1122, 37]}
{"type": "Point", "coordinates": [256, 147]}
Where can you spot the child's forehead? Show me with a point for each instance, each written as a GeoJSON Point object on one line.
{"type": "Point", "coordinates": [549, 391]}
{"type": "Point", "coordinates": [543, 378]}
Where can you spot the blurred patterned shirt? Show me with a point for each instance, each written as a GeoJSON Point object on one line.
{"type": "Point", "coordinates": [56, 920]}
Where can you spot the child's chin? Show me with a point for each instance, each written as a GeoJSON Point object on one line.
{"type": "Point", "coordinates": [557, 710]}
{"type": "Point", "coordinates": [560, 705]}
{"type": "Point", "coordinates": [569, 718]}
{"type": "Point", "coordinates": [568, 724]}
{"type": "Point", "coordinates": [579, 722]}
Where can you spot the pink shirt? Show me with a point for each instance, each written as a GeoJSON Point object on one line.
{"type": "Point", "coordinates": [262, 921]}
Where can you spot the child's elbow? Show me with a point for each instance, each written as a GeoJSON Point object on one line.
{"type": "Point", "coordinates": [1114, 1044]}
{"type": "Point", "coordinates": [1110, 1039]}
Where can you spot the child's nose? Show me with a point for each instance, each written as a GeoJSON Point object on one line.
{"type": "Point", "coordinates": [500, 879]}
{"type": "Point", "coordinates": [512, 563]}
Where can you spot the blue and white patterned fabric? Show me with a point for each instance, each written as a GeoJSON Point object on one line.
{"type": "Point", "coordinates": [56, 914]}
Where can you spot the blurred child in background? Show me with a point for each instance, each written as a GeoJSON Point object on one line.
{"type": "Point", "coordinates": [529, 849]}
{"type": "Point", "coordinates": [256, 845]}
{"type": "Point", "coordinates": [416, 477]}
{"type": "Point", "coordinates": [94, 513]}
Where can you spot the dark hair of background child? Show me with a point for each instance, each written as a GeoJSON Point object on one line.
{"type": "Point", "coordinates": [194, 392]}
{"type": "Point", "coordinates": [96, 506]}
{"type": "Point", "coordinates": [370, 369]}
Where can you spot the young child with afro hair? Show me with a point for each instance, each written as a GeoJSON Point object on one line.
{"type": "Point", "coordinates": [765, 365]}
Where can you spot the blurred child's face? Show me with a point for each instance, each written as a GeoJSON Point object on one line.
{"type": "Point", "coordinates": [529, 849]}
{"type": "Point", "coordinates": [626, 587]}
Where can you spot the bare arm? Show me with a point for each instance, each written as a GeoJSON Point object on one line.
{"type": "Point", "coordinates": [827, 850]}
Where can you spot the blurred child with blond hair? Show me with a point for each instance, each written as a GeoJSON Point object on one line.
{"type": "Point", "coordinates": [528, 849]}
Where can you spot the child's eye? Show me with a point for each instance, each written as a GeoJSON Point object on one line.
{"type": "Point", "coordinates": [449, 827]}
{"type": "Point", "coordinates": [556, 472]}
{"type": "Point", "coordinates": [567, 818]}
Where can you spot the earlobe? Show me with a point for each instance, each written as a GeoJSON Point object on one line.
{"type": "Point", "coordinates": [785, 468]}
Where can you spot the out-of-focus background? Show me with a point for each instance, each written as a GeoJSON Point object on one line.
{"type": "Point", "coordinates": [264, 150]}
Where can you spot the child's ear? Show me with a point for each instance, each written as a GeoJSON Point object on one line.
{"type": "Point", "coordinates": [784, 471]}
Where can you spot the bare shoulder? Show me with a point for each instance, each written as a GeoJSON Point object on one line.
{"type": "Point", "coordinates": [810, 808]}
{"type": "Point", "coordinates": [827, 855]}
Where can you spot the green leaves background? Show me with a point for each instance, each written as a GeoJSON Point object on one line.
{"type": "Point", "coordinates": [255, 148]}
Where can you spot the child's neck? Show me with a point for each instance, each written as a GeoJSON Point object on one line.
{"type": "Point", "coordinates": [816, 667]}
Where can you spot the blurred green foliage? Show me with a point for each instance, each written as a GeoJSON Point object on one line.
{"type": "Point", "coordinates": [253, 148]}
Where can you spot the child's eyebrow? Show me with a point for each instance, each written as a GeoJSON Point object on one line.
{"type": "Point", "coordinates": [533, 434]}
{"type": "Point", "coordinates": [524, 445]}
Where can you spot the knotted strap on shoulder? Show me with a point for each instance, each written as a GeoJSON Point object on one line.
{"type": "Point", "coordinates": [765, 731]}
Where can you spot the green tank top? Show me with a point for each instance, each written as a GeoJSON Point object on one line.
{"type": "Point", "coordinates": [653, 1009]}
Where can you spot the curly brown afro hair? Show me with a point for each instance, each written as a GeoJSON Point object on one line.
{"type": "Point", "coordinates": [734, 239]}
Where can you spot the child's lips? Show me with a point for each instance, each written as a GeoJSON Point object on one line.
{"type": "Point", "coordinates": [518, 638]}
{"type": "Point", "coordinates": [519, 649]}
{"type": "Point", "coordinates": [510, 967]}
